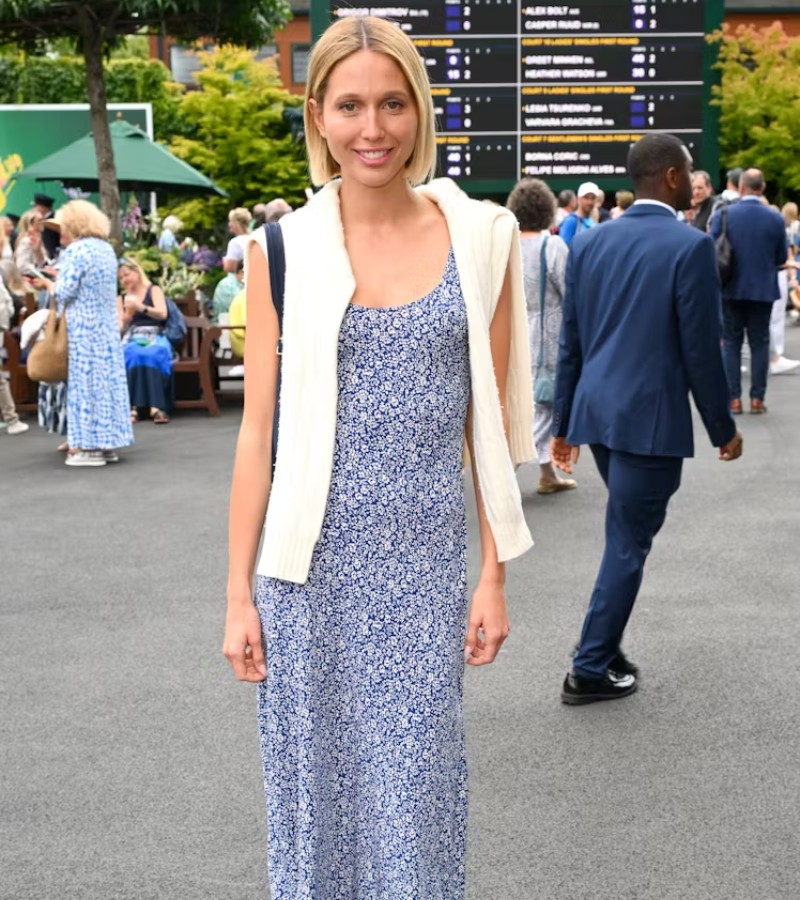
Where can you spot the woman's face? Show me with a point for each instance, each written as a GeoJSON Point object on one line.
{"type": "Point", "coordinates": [128, 278]}
{"type": "Point", "coordinates": [8, 227]}
{"type": "Point", "coordinates": [368, 118]}
{"type": "Point", "coordinates": [65, 237]}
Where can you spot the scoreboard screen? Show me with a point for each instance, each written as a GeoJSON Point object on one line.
{"type": "Point", "coordinates": [557, 91]}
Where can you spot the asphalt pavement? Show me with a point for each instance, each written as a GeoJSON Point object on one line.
{"type": "Point", "coordinates": [129, 765]}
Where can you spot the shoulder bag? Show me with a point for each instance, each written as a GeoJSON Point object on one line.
{"type": "Point", "coordinates": [724, 249]}
{"type": "Point", "coordinates": [48, 358]}
{"type": "Point", "coordinates": [544, 387]}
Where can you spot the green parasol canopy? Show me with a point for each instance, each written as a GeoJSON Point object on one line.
{"type": "Point", "coordinates": [142, 165]}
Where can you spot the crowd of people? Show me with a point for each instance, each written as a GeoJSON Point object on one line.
{"type": "Point", "coordinates": [65, 257]}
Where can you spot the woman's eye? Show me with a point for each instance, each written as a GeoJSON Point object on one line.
{"type": "Point", "coordinates": [394, 104]}
{"type": "Point", "coordinates": [347, 106]}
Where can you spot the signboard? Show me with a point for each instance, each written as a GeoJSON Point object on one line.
{"type": "Point", "coordinates": [30, 133]}
{"type": "Point", "coordinates": [558, 91]}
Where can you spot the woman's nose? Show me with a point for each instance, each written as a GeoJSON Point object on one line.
{"type": "Point", "coordinates": [372, 129]}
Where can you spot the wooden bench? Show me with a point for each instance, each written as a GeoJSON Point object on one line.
{"type": "Point", "coordinates": [194, 385]}
{"type": "Point", "coordinates": [24, 391]}
{"type": "Point", "coordinates": [196, 371]}
{"type": "Point", "coordinates": [223, 358]}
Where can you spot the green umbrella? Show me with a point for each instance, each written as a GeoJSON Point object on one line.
{"type": "Point", "coordinates": [142, 165]}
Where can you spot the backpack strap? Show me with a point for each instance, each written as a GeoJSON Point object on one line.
{"type": "Point", "coordinates": [542, 291]}
{"type": "Point", "coordinates": [276, 258]}
{"type": "Point", "coordinates": [277, 272]}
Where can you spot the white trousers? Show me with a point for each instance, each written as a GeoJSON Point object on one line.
{"type": "Point", "coordinates": [777, 321]}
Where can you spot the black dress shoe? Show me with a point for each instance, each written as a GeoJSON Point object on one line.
{"type": "Point", "coordinates": [578, 690]}
{"type": "Point", "coordinates": [620, 664]}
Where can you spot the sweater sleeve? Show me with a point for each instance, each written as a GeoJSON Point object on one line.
{"type": "Point", "coordinates": [507, 258]}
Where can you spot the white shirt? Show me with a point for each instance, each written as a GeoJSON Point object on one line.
{"type": "Point", "coordinates": [656, 203]}
{"type": "Point", "coordinates": [236, 247]}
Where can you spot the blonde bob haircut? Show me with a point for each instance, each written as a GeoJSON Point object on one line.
{"type": "Point", "coordinates": [343, 39]}
{"type": "Point", "coordinates": [128, 262]}
{"type": "Point", "coordinates": [82, 219]}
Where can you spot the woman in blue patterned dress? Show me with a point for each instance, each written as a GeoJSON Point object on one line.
{"type": "Point", "coordinates": [98, 411]}
{"type": "Point", "coordinates": [361, 626]}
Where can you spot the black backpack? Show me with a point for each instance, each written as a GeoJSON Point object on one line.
{"type": "Point", "coordinates": [723, 247]}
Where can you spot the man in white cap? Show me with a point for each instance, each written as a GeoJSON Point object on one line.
{"type": "Point", "coordinates": [581, 218]}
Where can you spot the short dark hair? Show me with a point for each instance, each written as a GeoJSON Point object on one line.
{"type": "Point", "coordinates": [753, 180]}
{"type": "Point", "coordinates": [565, 198]}
{"type": "Point", "coordinates": [699, 173]}
{"type": "Point", "coordinates": [533, 203]}
{"type": "Point", "coordinates": [651, 156]}
{"type": "Point", "coordinates": [734, 175]}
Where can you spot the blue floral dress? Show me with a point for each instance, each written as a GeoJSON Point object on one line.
{"type": "Point", "coordinates": [361, 713]}
{"type": "Point", "coordinates": [98, 410]}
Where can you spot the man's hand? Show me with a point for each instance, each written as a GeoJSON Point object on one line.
{"type": "Point", "coordinates": [733, 449]}
{"type": "Point", "coordinates": [564, 454]}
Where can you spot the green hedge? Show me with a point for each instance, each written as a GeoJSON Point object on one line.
{"type": "Point", "coordinates": [38, 79]}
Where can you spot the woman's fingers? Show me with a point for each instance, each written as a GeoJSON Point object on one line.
{"type": "Point", "coordinates": [472, 641]}
{"type": "Point", "coordinates": [487, 645]}
{"type": "Point", "coordinates": [242, 646]}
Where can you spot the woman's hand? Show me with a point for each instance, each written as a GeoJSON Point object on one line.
{"type": "Point", "coordinates": [242, 645]}
{"type": "Point", "coordinates": [487, 626]}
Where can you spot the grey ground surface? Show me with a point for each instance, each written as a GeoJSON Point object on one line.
{"type": "Point", "coordinates": [130, 770]}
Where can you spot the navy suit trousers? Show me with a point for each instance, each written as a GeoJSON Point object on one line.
{"type": "Point", "coordinates": [751, 316]}
{"type": "Point", "coordinates": [639, 489]}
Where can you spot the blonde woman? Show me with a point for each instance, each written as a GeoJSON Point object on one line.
{"type": "Point", "coordinates": [404, 327]}
{"type": "Point", "coordinates": [239, 220]}
{"type": "Point", "coordinates": [97, 407]}
{"type": "Point", "coordinates": [142, 310]}
{"type": "Point", "coordinates": [29, 253]}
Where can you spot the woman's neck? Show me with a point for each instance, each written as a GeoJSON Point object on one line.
{"type": "Point", "coordinates": [363, 206]}
{"type": "Point", "coordinates": [529, 233]}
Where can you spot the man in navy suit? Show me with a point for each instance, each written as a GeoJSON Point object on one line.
{"type": "Point", "coordinates": [757, 235]}
{"type": "Point", "coordinates": [641, 329]}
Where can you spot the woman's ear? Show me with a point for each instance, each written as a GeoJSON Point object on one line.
{"type": "Point", "coordinates": [316, 116]}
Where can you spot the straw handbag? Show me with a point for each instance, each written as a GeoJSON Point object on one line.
{"type": "Point", "coordinates": [47, 360]}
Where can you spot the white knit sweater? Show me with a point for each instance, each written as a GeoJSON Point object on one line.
{"type": "Point", "coordinates": [319, 287]}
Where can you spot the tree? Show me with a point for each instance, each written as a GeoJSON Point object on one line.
{"type": "Point", "coordinates": [98, 26]}
{"type": "Point", "coordinates": [759, 102]}
{"type": "Point", "coordinates": [235, 130]}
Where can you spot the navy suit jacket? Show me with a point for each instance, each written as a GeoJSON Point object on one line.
{"type": "Point", "coordinates": [641, 328]}
{"type": "Point", "coordinates": [758, 240]}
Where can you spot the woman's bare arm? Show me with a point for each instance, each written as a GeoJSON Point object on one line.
{"type": "Point", "coordinates": [159, 309]}
{"type": "Point", "coordinates": [487, 626]}
{"type": "Point", "coordinates": [252, 473]}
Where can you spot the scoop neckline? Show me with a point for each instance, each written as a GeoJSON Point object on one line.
{"type": "Point", "coordinates": [416, 302]}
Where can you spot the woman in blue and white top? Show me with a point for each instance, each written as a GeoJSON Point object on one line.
{"type": "Point", "coordinates": [404, 333]}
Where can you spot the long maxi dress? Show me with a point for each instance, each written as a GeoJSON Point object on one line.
{"type": "Point", "coordinates": [98, 407]}
{"type": "Point", "coordinates": [361, 713]}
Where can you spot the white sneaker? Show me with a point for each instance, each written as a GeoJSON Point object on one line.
{"type": "Point", "coordinates": [22, 427]}
{"type": "Point", "coordinates": [780, 367]}
{"type": "Point", "coordinates": [85, 458]}
{"type": "Point", "coordinates": [110, 456]}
